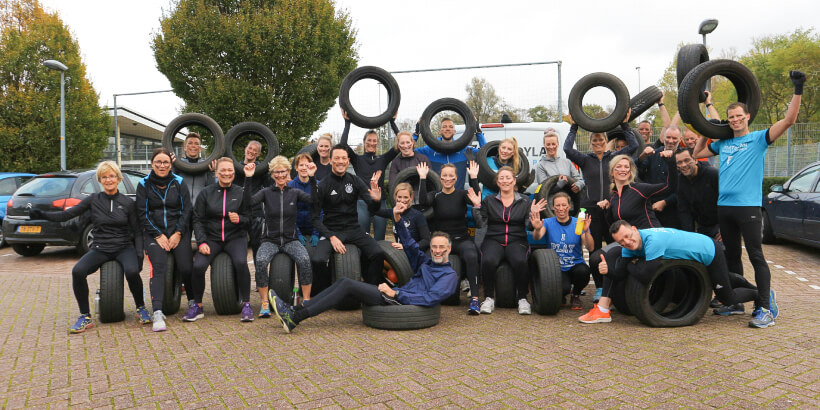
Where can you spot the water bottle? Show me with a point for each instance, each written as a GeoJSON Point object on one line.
{"type": "Point", "coordinates": [97, 303]}
{"type": "Point", "coordinates": [579, 225]}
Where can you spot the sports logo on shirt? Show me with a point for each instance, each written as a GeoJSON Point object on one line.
{"type": "Point", "coordinates": [333, 192]}
{"type": "Point", "coordinates": [349, 188]}
{"type": "Point", "coordinates": [406, 224]}
{"type": "Point", "coordinates": [563, 237]}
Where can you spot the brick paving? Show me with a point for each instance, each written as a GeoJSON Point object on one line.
{"type": "Point", "coordinates": [491, 361]}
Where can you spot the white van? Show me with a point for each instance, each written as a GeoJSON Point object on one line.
{"type": "Point", "coordinates": [530, 136]}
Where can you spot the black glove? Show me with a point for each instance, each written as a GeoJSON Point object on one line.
{"type": "Point", "coordinates": [35, 214]}
{"type": "Point", "coordinates": [478, 128]}
{"type": "Point", "coordinates": [798, 78]}
{"type": "Point", "coordinates": [418, 129]}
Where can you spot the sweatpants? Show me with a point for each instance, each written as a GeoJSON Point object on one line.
{"type": "Point", "coordinates": [158, 264]}
{"type": "Point", "coordinates": [368, 246]}
{"type": "Point", "coordinates": [345, 287]}
{"type": "Point", "coordinates": [576, 278]}
{"type": "Point", "coordinates": [91, 262]}
{"type": "Point", "coordinates": [237, 249]}
{"type": "Point", "coordinates": [745, 221]}
{"type": "Point", "coordinates": [297, 253]}
{"type": "Point", "coordinates": [466, 249]}
{"type": "Point", "coordinates": [516, 254]}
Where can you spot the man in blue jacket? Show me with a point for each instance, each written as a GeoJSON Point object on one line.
{"type": "Point", "coordinates": [434, 280]}
{"type": "Point", "coordinates": [447, 130]}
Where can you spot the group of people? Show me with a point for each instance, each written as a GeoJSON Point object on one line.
{"type": "Point", "coordinates": [682, 209]}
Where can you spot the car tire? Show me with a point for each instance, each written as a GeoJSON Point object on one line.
{"type": "Point", "coordinates": [2, 235]}
{"type": "Point", "coordinates": [348, 265]}
{"type": "Point", "coordinates": [282, 274]}
{"type": "Point", "coordinates": [28, 249]}
{"type": "Point", "coordinates": [543, 192]}
{"type": "Point", "coordinates": [456, 145]}
{"type": "Point", "coordinates": [393, 96]}
{"type": "Point", "coordinates": [224, 290]}
{"type": "Point", "coordinates": [689, 57]}
{"type": "Point", "coordinates": [588, 82]}
{"type": "Point", "coordinates": [86, 239]}
{"type": "Point", "coordinates": [185, 120]}
{"type": "Point", "coordinates": [545, 274]}
{"type": "Point", "coordinates": [401, 317]}
{"type": "Point", "coordinates": [644, 101]}
{"type": "Point", "coordinates": [486, 175]}
{"type": "Point", "coordinates": [251, 127]}
{"type": "Point", "coordinates": [172, 296]}
{"type": "Point", "coordinates": [692, 305]}
{"type": "Point", "coordinates": [458, 268]}
{"type": "Point", "coordinates": [766, 231]}
{"type": "Point", "coordinates": [505, 296]}
{"type": "Point", "coordinates": [411, 176]}
{"type": "Point", "coordinates": [398, 261]}
{"type": "Point", "coordinates": [112, 282]}
{"type": "Point", "coordinates": [746, 86]}
{"type": "Point", "coordinates": [618, 132]}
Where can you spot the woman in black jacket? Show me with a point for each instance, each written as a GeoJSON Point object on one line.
{"type": "Point", "coordinates": [117, 236]}
{"type": "Point", "coordinates": [505, 215]}
{"type": "Point", "coordinates": [281, 233]}
{"type": "Point", "coordinates": [221, 219]}
{"type": "Point", "coordinates": [164, 207]}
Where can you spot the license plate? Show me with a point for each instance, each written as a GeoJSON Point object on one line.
{"type": "Point", "coordinates": [29, 229]}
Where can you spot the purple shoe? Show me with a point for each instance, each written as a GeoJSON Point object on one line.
{"type": "Point", "coordinates": [247, 313]}
{"type": "Point", "coordinates": [194, 312]}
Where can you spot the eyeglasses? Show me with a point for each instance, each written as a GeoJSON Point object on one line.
{"type": "Point", "coordinates": [280, 172]}
{"type": "Point", "coordinates": [162, 163]}
{"type": "Point", "coordinates": [109, 177]}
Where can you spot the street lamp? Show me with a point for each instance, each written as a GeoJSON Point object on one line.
{"type": "Point", "coordinates": [56, 65]}
{"type": "Point", "coordinates": [707, 26]}
{"type": "Point", "coordinates": [639, 78]}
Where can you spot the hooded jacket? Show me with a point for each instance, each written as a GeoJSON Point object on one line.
{"type": "Point", "coordinates": [211, 220]}
{"type": "Point", "coordinates": [431, 282]}
{"type": "Point", "coordinates": [280, 211]}
{"type": "Point", "coordinates": [505, 224]}
{"type": "Point", "coordinates": [164, 211]}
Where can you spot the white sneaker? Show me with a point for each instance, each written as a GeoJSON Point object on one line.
{"type": "Point", "coordinates": [524, 307]}
{"type": "Point", "coordinates": [487, 306]}
{"type": "Point", "coordinates": [159, 321]}
{"type": "Point", "coordinates": [465, 285]}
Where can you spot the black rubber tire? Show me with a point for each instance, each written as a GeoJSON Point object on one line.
{"type": "Point", "coordinates": [411, 176]}
{"type": "Point", "coordinates": [689, 57]}
{"type": "Point", "coordinates": [348, 266]}
{"type": "Point", "coordinates": [618, 295]}
{"type": "Point", "coordinates": [687, 312]}
{"type": "Point", "coordinates": [447, 104]}
{"type": "Point", "coordinates": [282, 274]}
{"type": "Point", "coordinates": [224, 290]}
{"type": "Point", "coordinates": [389, 83]}
{"type": "Point", "coordinates": [748, 92]}
{"type": "Point", "coordinates": [27, 249]}
{"type": "Point", "coordinates": [545, 274]}
{"type": "Point", "coordinates": [112, 282]}
{"type": "Point", "coordinates": [643, 101]}
{"type": "Point", "coordinates": [617, 132]}
{"type": "Point", "coordinates": [766, 232]}
{"type": "Point", "coordinates": [486, 175]}
{"type": "Point", "coordinates": [546, 186]}
{"type": "Point", "coordinates": [86, 239]}
{"type": "Point", "coordinates": [398, 261]}
{"type": "Point", "coordinates": [401, 317]}
{"type": "Point", "coordinates": [458, 267]}
{"type": "Point", "coordinates": [588, 82]}
{"type": "Point", "coordinates": [185, 120]}
{"type": "Point", "coordinates": [505, 296]}
{"type": "Point", "coordinates": [173, 289]}
{"type": "Point", "coordinates": [251, 127]}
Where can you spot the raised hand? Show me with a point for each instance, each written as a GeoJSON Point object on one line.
{"type": "Point", "coordinates": [628, 113]}
{"type": "Point", "coordinates": [798, 78]}
{"type": "Point", "coordinates": [603, 269]}
{"type": "Point", "coordinates": [398, 209]}
{"type": "Point", "coordinates": [173, 158]}
{"type": "Point", "coordinates": [708, 97]}
{"type": "Point", "coordinates": [538, 206]}
{"type": "Point", "coordinates": [422, 170]}
{"type": "Point", "coordinates": [474, 197]}
{"type": "Point", "coordinates": [536, 221]}
{"type": "Point", "coordinates": [311, 169]}
{"type": "Point", "coordinates": [344, 114]}
{"type": "Point", "coordinates": [472, 170]}
{"type": "Point", "coordinates": [249, 169]}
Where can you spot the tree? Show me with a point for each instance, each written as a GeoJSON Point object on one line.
{"type": "Point", "coordinates": [481, 98]}
{"type": "Point", "coordinates": [279, 63]}
{"type": "Point", "coordinates": [30, 94]}
{"type": "Point", "coordinates": [595, 111]}
{"type": "Point", "coordinates": [544, 114]}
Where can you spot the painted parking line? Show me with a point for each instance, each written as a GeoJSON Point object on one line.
{"type": "Point", "coordinates": [778, 266]}
{"type": "Point", "coordinates": [790, 272]}
{"type": "Point", "coordinates": [815, 287]}
{"type": "Point", "coordinates": [769, 262]}
{"type": "Point", "coordinates": [803, 279]}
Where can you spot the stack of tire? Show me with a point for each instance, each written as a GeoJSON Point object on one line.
{"type": "Point", "coordinates": [545, 282]}
{"type": "Point", "coordinates": [111, 292]}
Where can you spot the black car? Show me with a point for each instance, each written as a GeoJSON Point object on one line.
{"type": "Point", "coordinates": [55, 192]}
{"type": "Point", "coordinates": [792, 210]}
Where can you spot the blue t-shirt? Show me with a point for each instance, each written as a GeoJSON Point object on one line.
{"type": "Point", "coordinates": [565, 242]}
{"type": "Point", "coordinates": [741, 168]}
{"type": "Point", "coordinates": [668, 243]}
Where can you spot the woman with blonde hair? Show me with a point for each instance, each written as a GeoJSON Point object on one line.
{"type": "Point", "coordinates": [323, 146]}
{"type": "Point", "coordinates": [407, 157]}
{"type": "Point", "coordinates": [507, 156]}
{"type": "Point", "coordinates": [412, 218]}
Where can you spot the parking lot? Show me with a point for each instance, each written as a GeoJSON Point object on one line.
{"type": "Point", "coordinates": [498, 360]}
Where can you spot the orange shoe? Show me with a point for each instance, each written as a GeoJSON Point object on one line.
{"type": "Point", "coordinates": [595, 316]}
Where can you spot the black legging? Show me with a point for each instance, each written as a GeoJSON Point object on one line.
{"type": "Point", "coordinates": [237, 249]}
{"type": "Point", "coordinates": [737, 221]}
{"type": "Point", "coordinates": [733, 288]}
{"type": "Point", "coordinates": [576, 278]}
{"type": "Point", "coordinates": [466, 249]}
{"type": "Point", "coordinates": [515, 253]}
{"type": "Point", "coordinates": [158, 263]}
{"type": "Point", "coordinates": [599, 232]}
{"type": "Point", "coordinates": [368, 247]}
{"type": "Point", "coordinates": [92, 261]}
{"type": "Point", "coordinates": [345, 287]}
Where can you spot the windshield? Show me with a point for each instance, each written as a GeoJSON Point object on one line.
{"type": "Point", "coordinates": [47, 186]}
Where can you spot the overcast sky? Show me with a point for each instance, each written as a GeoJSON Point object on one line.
{"type": "Point", "coordinates": [587, 36]}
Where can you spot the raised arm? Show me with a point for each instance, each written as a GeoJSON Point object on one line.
{"type": "Point", "coordinates": [779, 128]}
{"type": "Point", "coordinates": [713, 112]}
{"type": "Point", "coordinates": [573, 154]}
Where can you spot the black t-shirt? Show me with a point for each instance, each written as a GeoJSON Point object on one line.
{"type": "Point", "coordinates": [449, 210]}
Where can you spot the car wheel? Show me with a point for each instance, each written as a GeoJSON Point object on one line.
{"type": "Point", "coordinates": [766, 232]}
{"type": "Point", "coordinates": [28, 249]}
{"type": "Point", "coordinates": [86, 240]}
{"type": "Point", "coordinates": [2, 237]}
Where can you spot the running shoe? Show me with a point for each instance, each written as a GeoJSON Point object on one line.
{"type": "Point", "coordinates": [524, 307]}
{"type": "Point", "coordinates": [194, 312]}
{"type": "Point", "coordinates": [264, 311]}
{"type": "Point", "coordinates": [595, 316]}
{"type": "Point", "coordinates": [575, 302]}
{"type": "Point", "coordinates": [736, 309]}
{"type": "Point", "coordinates": [487, 306]}
{"type": "Point", "coordinates": [762, 319]}
{"type": "Point", "coordinates": [598, 293]}
{"type": "Point", "coordinates": [83, 322]}
{"type": "Point", "coordinates": [159, 322]}
{"type": "Point", "coordinates": [143, 316]}
{"type": "Point", "coordinates": [474, 307]}
{"type": "Point", "coordinates": [284, 312]}
{"type": "Point", "coordinates": [247, 313]}
{"type": "Point", "coordinates": [465, 285]}
{"type": "Point", "coordinates": [773, 304]}
{"type": "Point", "coordinates": [715, 303]}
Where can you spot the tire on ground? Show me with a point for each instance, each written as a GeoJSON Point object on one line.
{"type": "Point", "coordinates": [282, 274]}
{"type": "Point", "coordinates": [401, 317]}
{"type": "Point", "coordinates": [586, 83]}
{"type": "Point", "coordinates": [689, 57]}
{"type": "Point", "coordinates": [545, 274]}
{"type": "Point", "coordinates": [447, 104]}
{"type": "Point", "coordinates": [383, 77]}
{"type": "Point", "coordinates": [486, 175]}
{"type": "Point", "coordinates": [112, 282]}
{"type": "Point", "coordinates": [255, 128]}
{"type": "Point", "coordinates": [688, 311]}
{"type": "Point", "coordinates": [544, 193]}
{"type": "Point", "coordinates": [27, 249]}
{"type": "Point", "coordinates": [185, 120]}
{"type": "Point", "coordinates": [458, 267]}
{"type": "Point", "coordinates": [398, 261]}
{"type": "Point", "coordinates": [224, 289]}
{"type": "Point", "coordinates": [411, 176]}
{"type": "Point", "coordinates": [347, 265]}
{"type": "Point", "coordinates": [505, 296]}
{"type": "Point", "coordinates": [173, 288]}
{"type": "Point", "coordinates": [644, 101]}
{"type": "Point", "coordinates": [746, 86]}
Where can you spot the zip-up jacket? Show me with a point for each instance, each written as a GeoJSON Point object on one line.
{"type": "Point", "coordinates": [195, 182]}
{"type": "Point", "coordinates": [459, 159]}
{"type": "Point", "coordinates": [336, 196]}
{"type": "Point", "coordinates": [656, 169]}
{"type": "Point", "coordinates": [431, 282]}
{"type": "Point", "coordinates": [164, 211]}
{"type": "Point", "coordinates": [255, 184]}
{"type": "Point", "coordinates": [211, 220]}
{"type": "Point", "coordinates": [400, 163]}
{"type": "Point", "coordinates": [505, 225]}
{"type": "Point", "coordinates": [368, 163]}
{"type": "Point", "coordinates": [548, 167]}
{"type": "Point", "coordinates": [450, 210]}
{"type": "Point", "coordinates": [280, 211]}
{"type": "Point", "coordinates": [116, 225]}
{"type": "Point", "coordinates": [634, 205]}
{"type": "Point", "coordinates": [596, 171]}
{"type": "Point", "coordinates": [303, 209]}
{"type": "Point", "coordinates": [697, 199]}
